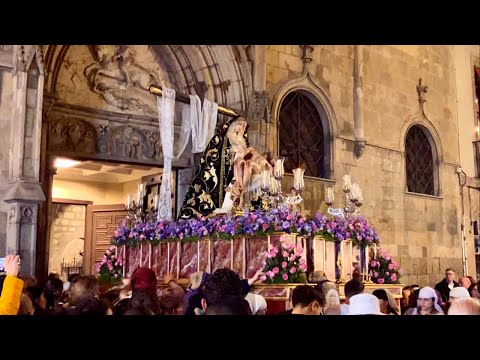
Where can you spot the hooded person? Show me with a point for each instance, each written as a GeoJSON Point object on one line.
{"type": "Point", "coordinates": [257, 303]}
{"type": "Point", "coordinates": [194, 294]}
{"type": "Point", "coordinates": [364, 304]}
{"type": "Point", "coordinates": [425, 295]}
{"type": "Point", "coordinates": [145, 280]}
{"type": "Point", "coordinates": [388, 305]}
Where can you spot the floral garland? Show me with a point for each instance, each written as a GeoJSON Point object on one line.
{"type": "Point", "coordinates": [253, 223]}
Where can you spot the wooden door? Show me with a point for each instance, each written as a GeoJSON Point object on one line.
{"type": "Point", "coordinates": [101, 222]}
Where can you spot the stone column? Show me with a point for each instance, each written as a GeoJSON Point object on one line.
{"type": "Point", "coordinates": [24, 193]}
{"type": "Point", "coordinates": [258, 115]}
{"type": "Point", "coordinates": [359, 134]}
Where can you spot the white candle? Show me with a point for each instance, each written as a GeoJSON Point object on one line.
{"type": "Point", "coordinates": [298, 183]}
{"type": "Point", "coordinates": [128, 202]}
{"type": "Point", "coordinates": [139, 199]}
{"type": "Point", "coordinates": [155, 201]}
{"type": "Point", "coordinates": [273, 185]}
{"type": "Point", "coordinates": [266, 179]}
{"type": "Point", "coordinates": [278, 169]}
{"type": "Point", "coordinates": [347, 183]}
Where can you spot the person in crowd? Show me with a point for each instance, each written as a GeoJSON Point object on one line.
{"type": "Point", "coordinates": [222, 288]}
{"type": "Point", "coordinates": [473, 290]}
{"type": "Point", "coordinates": [465, 281]}
{"type": "Point", "coordinates": [388, 305]}
{"type": "Point", "coordinates": [233, 306]}
{"type": "Point", "coordinates": [194, 294]}
{"type": "Point", "coordinates": [257, 303]}
{"type": "Point", "coordinates": [171, 298]}
{"type": "Point", "coordinates": [26, 306]}
{"type": "Point", "coordinates": [142, 279]}
{"type": "Point", "coordinates": [306, 300]}
{"type": "Point", "coordinates": [457, 293]}
{"type": "Point", "coordinates": [464, 306]}
{"type": "Point", "coordinates": [352, 287]}
{"type": "Point", "coordinates": [447, 284]}
{"type": "Point", "coordinates": [427, 303]}
{"type": "Point", "coordinates": [364, 304]}
{"type": "Point", "coordinates": [12, 287]}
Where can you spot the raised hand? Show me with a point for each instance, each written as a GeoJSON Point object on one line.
{"type": "Point", "coordinates": [12, 264]}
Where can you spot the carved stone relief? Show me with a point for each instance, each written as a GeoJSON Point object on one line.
{"type": "Point", "coordinates": [23, 56]}
{"type": "Point", "coordinates": [119, 79]}
{"type": "Point", "coordinates": [258, 109]}
{"type": "Point", "coordinates": [73, 135]}
{"type": "Point", "coordinates": [129, 143]}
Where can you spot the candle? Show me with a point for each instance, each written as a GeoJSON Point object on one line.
{"type": "Point", "coordinates": [278, 169]}
{"type": "Point", "coordinates": [266, 180]}
{"type": "Point", "coordinates": [347, 183]}
{"type": "Point", "coordinates": [298, 183]}
{"type": "Point", "coordinates": [141, 188]}
{"type": "Point", "coordinates": [139, 199]}
{"type": "Point", "coordinates": [329, 195]}
{"type": "Point", "coordinates": [128, 202]}
{"type": "Point", "coordinates": [273, 185]}
{"type": "Point", "coordinates": [354, 192]}
{"type": "Point", "coordinates": [155, 201]}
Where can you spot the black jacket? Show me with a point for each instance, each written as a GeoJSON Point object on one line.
{"type": "Point", "coordinates": [444, 290]}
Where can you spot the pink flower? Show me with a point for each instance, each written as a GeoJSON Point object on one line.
{"type": "Point", "coordinates": [284, 264]}
{"type": "Point", "coordinates": [116, 233]}
{"type": "Point", "coordinates": [393, 277]}
{"type": "Point", "coordinates": [276, 270]}
{"type": "Point", "coordinates": [263, 278]}
{"type": "Point", "coordinates": [359, 237]}
{"type": "Point", "coordinates": [373, 263]}
{"type": "Point", "coordinates": [292, 257]}
{"type": "Point", "coordinates": [375, 274]}
{"type": "Point", "coordinates": [285, 254]}
{"type": "Point", "coordinates": [388, 258]}
{"type": "Point", "coordinates": [265, 226]}
{"type": "Point", "coordinates": [264, 263]}
{"type": "Point", "coordinates": [391, 266]}
{"type": "Point", "coordinates": [293, 270]}
{"type": "Point", "coordinates": [107, 252]}
{"type": "Point", "coordinates": [303, 267]}
{"type": "Point", "coordinates": [285, 277]}
{"type": "Point", "coordinates": [381, 280]}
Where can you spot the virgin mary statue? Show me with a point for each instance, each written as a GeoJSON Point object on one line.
{"type": "Point", "coordinates": [227, 157]}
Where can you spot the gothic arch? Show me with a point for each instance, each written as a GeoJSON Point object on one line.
{"type": "Point", "coordinates": [323, 104]}
{"type": "Point", "coordinates": [435, 143]}
{"type": "Point", "coordinates": [215, 71]}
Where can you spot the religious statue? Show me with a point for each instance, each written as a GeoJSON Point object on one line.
{"type": "Point", "coordinates": [228, 170]}
{"type": "Point", "coordinates": [248, 165]}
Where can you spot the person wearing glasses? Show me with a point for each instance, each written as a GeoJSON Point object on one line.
{"type": "Point", "coordinates": [448, 283]}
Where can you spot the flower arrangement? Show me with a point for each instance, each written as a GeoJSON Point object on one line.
{"type": "Point", "coordinates": [110, 268]}
{"type": "Point", "coordinates": [253, 223]}
{"type": "Point", "coordinates": [384, 268]}
{"type": "Point", "coordinates": [283, 264]}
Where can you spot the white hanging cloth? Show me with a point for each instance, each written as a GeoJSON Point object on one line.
{"type": "Point", "coordinates": [166, 113]}
{"type": "Point", "coordinates": [204, 121]}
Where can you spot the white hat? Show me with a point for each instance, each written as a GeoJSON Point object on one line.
{"type": "Point", "coordinates": [257, 302]}
{"type": "Point", "coordinates": [459, 292]}
{"type": "Point", "coordinates": [364, 304]}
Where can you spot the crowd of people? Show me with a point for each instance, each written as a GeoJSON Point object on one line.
{"type": "Point", "coordinates": [222, 292]}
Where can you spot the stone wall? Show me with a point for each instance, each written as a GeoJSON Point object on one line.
{"type": "Point", "coordinates": [422, 232]}
{"type": "Point", "coordinates": [66, 235]}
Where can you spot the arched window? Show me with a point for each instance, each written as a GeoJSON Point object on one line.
{"type": "Point", "coordinates": [420, 157]}
{"type": "Point", "coordinates": [304, 133]}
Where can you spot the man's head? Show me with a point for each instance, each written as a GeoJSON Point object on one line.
{"type": "Point", "coordinates": [353, 287]}
{"type": "Point", "coordinates": [449, 275]}
{"type": "Point", "coordinates": [306, 300]}
{"type": "Point", "coordinates": [221, 286]}
{"type": "Point", "coordinates": [85, 286]}
{"type": "Point", "coordinates": [465, 282]}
